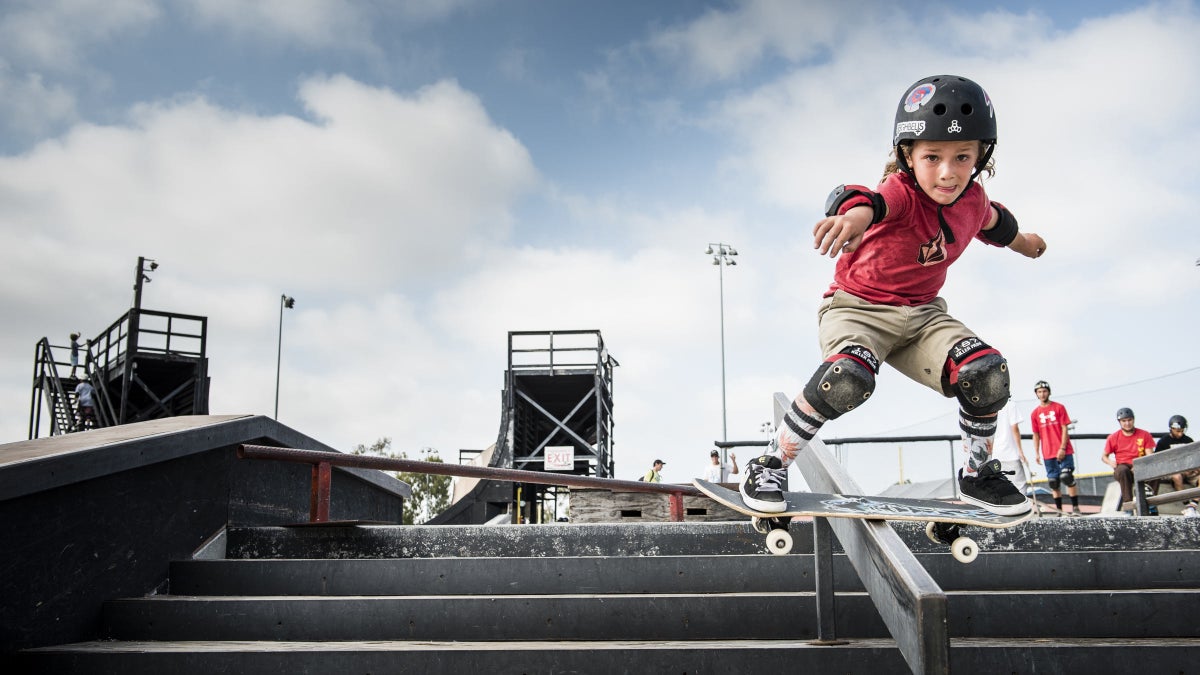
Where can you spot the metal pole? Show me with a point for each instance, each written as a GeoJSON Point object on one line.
{"type": "Point", "coordinates": [724, 425]}
{"type": "Point", "coordinates": [137, 283]}
{"type": "Point", "coordinates": [284, 301]}
{"type": "Point", "coordinates": [722, 254]}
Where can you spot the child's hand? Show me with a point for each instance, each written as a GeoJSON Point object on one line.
{"type": "Point", "coordinates": [1029, 245]}
{"type": "Point", "coordinates": [842, 234]}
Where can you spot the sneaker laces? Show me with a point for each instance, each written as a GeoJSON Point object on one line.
{"type": "Point", "coordinates": [770, 480]}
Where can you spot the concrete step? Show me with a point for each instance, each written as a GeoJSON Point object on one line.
{"type": "Point", "coordinates": [877, 656]}
{"type": "Point", "coordinates": [1079, 570]}
{"type": "Point", "coordinates": [654, 539]}
{"type": "Point", "coordinates": [709, 616]}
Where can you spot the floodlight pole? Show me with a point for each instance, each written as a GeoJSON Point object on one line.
{"type": "Point", "coordinates": [284, 301]}
{"type": "Point", "coordinates": [722, 255]}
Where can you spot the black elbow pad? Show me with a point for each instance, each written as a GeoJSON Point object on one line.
{"type": "Point", "coordinates": [1006, 228]}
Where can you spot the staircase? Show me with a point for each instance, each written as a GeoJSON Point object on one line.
{"type": "Point", "coordinates": [58, 392]}
{"type": "Point", "coordinates": [1049, 596]}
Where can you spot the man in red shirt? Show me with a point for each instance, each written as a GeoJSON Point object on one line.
{"type": "Point", "coordinates": [1052, 445]}
{"type": "Point", "coordinates": [1122, 447]}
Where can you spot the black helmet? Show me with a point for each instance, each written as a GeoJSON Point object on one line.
{"type": "Point", "coordinates": [945, 108]}
{"type": "Point", "coordinates": [1040, 384]}
{"type": "Point", "coordinates": [1124, 413]}
{"type": "Point", "coordinates": [1178, 422]}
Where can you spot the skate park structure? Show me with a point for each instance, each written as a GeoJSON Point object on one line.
{"type": "Point", "coordinates": [147, 365]}
{"type": "Point", "coordinates": [151, 546]}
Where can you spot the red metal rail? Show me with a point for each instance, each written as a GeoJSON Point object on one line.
{"type": "Point", "coordinates": [322, 463]}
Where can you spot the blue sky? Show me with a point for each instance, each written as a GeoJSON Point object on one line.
{"type": "Point", "coordinates": [426, 176]}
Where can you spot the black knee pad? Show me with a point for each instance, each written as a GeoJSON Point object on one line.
{"type": "Point", "coordinates": [1067, 477]}
{"type": "Point", "coordinates": [842, 383]}
{"type": "Point", "coordinates": [982, 383]}
{"type": "Point", "coordinates": [1053, 483]}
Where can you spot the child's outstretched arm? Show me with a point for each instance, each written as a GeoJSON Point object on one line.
{"type": "Point", "coordinates": [842, 233]}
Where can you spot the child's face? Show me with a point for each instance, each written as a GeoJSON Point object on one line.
{"type": "Point", "coordinates": [943, 168]}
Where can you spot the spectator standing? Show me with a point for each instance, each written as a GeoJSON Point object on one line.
{"type": "Point", "coordinates": [74, 352]}
{"type": "Point", "coordinates": [1122, 447]}
{"type": "Point", "coordinates": [1053, 447]}
{"type": "Point", "coordinates": [1006, 446]}
{"type": "Point", "coordinates": [654, 475]}
{"type": "Point", "coordinates": [718, 472]}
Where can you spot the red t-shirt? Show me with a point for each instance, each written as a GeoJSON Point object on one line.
{"type": "Point", "coordinates": [1129, 448]}
{"type": "Point", "coordinates": [902, 260]}
{"type": "Point", "coordinates": [1048, 422]}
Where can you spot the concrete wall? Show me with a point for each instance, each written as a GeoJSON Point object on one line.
{"type": "Point", "coordinates": [603, 506]}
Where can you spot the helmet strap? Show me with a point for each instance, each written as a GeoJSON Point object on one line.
{"type": "Point", "coordinates": [982, 163]}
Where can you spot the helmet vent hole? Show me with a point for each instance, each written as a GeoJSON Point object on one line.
{"type": "Point", "coordinates": [967, 109]}
{"type": "Point", "coordinates": [939, 109]}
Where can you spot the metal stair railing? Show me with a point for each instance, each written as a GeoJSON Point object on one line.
{"type": "Point", "coordinates": [106, 416]}
{"type": "Point", "coordinates": [47, 387]}
{"type": "Point", "coordinates": [912, 605]}
{"type": "Point", "coordinates": [323, 462]}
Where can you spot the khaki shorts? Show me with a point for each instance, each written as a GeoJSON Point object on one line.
{"type": "Point", "coordinates": [914, 340]}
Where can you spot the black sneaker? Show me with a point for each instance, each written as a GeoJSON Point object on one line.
{"type": "Point", "coordinates": [991, 489]}
{"type": "Point", "coordinates": [763, 486]}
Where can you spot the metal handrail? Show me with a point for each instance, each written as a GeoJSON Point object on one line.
{"type": "Point", "coordinates": [323, 461]}
{"type": "Point", "coordinates": [911, 604]}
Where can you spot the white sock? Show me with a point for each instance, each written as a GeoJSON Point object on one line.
{"type": "Point", "coordinates": [800, 425]}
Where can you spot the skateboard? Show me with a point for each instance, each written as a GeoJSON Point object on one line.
{"type": "Point", "coordinates": [942, 518]}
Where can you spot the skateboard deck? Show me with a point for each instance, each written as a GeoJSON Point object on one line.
{"type": "Point", "coordinates": [866, 507]}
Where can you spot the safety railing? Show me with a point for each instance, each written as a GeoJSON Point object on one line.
{"type": "Point", "coordinates": [911, 604]}
{"type": "Point", "coordinates": [323, 462]}
{"type": "Point", "coordinates": [1158, 466]}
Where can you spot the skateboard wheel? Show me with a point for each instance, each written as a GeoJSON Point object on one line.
{"type": "Point", "coordinates": [931, 532]}
{"type": "Point", "coordinates": [964, 550]}
{"type": "Point", "coordinates": [760, 525]}
{"type": "Point", "coordinates": [779, 542]}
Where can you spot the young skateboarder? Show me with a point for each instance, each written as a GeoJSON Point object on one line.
{"type": "Point", "coordinates": [895, 244]}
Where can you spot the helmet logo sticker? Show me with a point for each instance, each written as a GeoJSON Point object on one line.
{"type": "Point", "coordinates": [954, 128]}
{"type": "Point", "coordinates": [918, 97]}
{"type": "Point", "coordinates": [914, 128]}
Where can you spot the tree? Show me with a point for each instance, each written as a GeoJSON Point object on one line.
{"type": "Point", "coordinates": [430, 492]}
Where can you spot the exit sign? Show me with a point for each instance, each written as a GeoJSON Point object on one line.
{"type": "Point", "coordinates": [560, 457]}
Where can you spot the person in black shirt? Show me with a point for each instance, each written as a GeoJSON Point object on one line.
{"type": "Point", "coordinates": [1178, 436]}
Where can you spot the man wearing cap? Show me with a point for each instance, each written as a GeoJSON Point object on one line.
{"type": "Point", "coordinates": [1122, 447]}
{"type": "Point", "coordinates": [716, 472]}
{"type": "Point", "coordinates": [654, 475]}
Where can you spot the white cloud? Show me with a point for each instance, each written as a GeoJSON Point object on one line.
{"type": "Point", "coordinates": [312, 23]}
{"type": "Point", "coordinates": [379, 189]}
{"type": "Point", "coordinates": [31, 107]}
{"type": "Point", "coordinates": [320, 24]}
{"type": "Point", "coordinates": [55, 34]}
{"type": "Point", "coordinates": [377, 194]}
{"type": "Point", "coordinates": [724, 44]}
